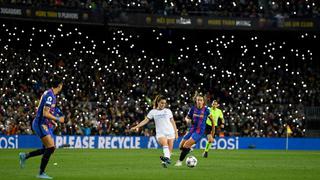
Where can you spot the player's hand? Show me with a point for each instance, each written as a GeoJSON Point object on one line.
{"type": "Point", "coordinates": [187, 120]}
{"type": "Point", "coordinates": [134, 129]}
{"type": "Point", "coordinates": [222, 126]}
{"type": "Point", "coordinates": [54, 124]}
{"type": "Point", "coordinates": [61, 119]}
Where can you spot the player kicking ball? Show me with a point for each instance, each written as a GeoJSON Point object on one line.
{"type": "Point", "coordinates": [196, 116]}
{"type": "Point", "coordinates": [43, 127]}
{"type": "Point", "coordinates": [166, 129]}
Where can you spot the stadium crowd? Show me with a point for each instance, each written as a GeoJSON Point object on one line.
{"type": "Point", "coordinates": [263, 80]}
{"type": "Point", "coordinates": [234, 8]}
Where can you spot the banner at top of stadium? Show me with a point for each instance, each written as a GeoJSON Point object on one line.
{"type": "Point", "coordinates": [50, 14]}
{"type": "Point", "coordinates": [131, 19]}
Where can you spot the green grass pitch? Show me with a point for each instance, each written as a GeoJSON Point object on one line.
{"type": "Point", "coordinates": [145, 164]}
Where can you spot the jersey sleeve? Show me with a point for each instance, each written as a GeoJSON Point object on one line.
{"type": "Point", "coordinates": [170, 113]}
{"type": "Point", "coordinates": [48, 100]}
{"type": "Point", "coordinates": [190, 113]}
{"type": "Point", "coordinates": [221, 114]}
{"type": "Point", "coordinates": [150, 115]}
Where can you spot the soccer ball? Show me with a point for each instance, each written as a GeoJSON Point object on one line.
{"type": "Point", "coordinates": [191, 161]}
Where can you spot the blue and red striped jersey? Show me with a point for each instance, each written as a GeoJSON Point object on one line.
{"type": "Point", "coordinates": [199, 117]}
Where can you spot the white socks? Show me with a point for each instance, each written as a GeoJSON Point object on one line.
{"type": "Point", "coordinates": [166, 151]}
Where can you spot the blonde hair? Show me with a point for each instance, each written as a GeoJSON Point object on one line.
{"type": "Point", "coordinates": [199, 94]}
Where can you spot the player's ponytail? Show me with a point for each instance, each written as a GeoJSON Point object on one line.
{"type": "Point", "coordinates": [155, 102]}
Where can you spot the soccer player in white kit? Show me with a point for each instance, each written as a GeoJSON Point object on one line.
{"type": "Point", "coordinates": [166, 129]}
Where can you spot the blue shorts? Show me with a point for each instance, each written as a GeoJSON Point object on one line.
{"type": "Point", "coordinates": [42, 130]}
{"type": "Point", "coordinates": [195, 136]}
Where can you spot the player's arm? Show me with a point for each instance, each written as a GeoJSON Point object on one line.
{"type": "Point", "coordinates": [222, 120]}
{"type": "Point", "coordinates": [174, 127]}
{"type": "Point", "coordinates": [142, 123]}
{"type": "Point", "coordinates": [55, 124]}
{"type": "Point", "coordinates": [47, 114]}
{"type": "Point", "coordinates": [188, 119]}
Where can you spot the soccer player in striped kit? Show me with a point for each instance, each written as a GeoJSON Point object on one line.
{"type": "Point", "coordinates": [43, 126]}
{"type": "Point", "coordinates": [197, 116]}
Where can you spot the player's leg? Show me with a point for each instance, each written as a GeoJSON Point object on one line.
{"type": "Point", "coordinates": [184, 139]}
{"type": "Point", "coordinates": [34, 153]}
{"type": "Point", "coordinates": [163, 141]}
{"type": "Point", "coordinates": [208, 145]}
{"type": "Point", "coordinates": [186, 147]}
{"type": "Point", "coordinates": [24, 156]}
{"type": "Point", "coordinates": [182, 143]}
{"type": "Point", "coordinates": [171, 144]}
{"type": "Point", "coordinates": [210, 140]}
{"type": "Point", "coordinates": [49, 149]}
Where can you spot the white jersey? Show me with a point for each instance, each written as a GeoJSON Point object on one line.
{"type": "Point", "coordinates": [162, 120]}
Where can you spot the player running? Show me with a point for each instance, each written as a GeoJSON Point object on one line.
{"type": "Point", "coordinates": [217, 114]}
{"type": "Point", "coordinates": [197, 115]}
{"type": "Point", "coordinates": [43, 127]}
{"type": "Point", "coordinates": [166, 129]}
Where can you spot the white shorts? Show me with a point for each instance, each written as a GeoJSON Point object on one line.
{"type": "Point", "coordinates": [168, 136]}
